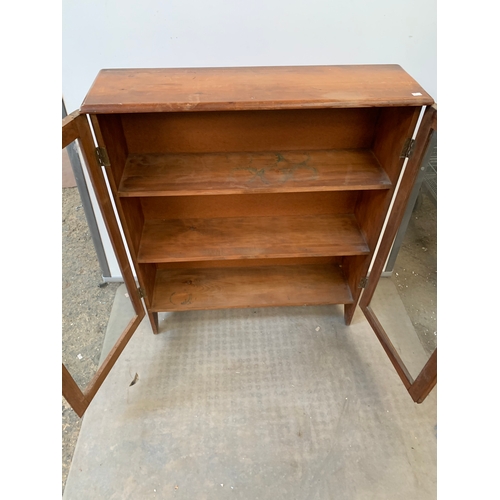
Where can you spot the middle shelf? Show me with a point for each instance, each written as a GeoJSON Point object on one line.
{"type": "Point", "coordinates": [231, 238]}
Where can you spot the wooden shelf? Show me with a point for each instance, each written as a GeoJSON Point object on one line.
{"type": "Point", "coordinates": [241, 287]}
{"type": "Point", "coordinates": [182, 240]}
{"type": "Point", "coordinates": [251, 172]}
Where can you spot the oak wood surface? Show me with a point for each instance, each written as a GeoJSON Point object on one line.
{"type": "Point", "coordinates": [262, 130]}
{"type": "Point", "coordinates": [251, 172]}
{"type": "Point", "coordinates": [235, 287]}
{"type": "Point", "coordinates": [179, 240]}
{"type": "Point", "coordinates": [203, 89]}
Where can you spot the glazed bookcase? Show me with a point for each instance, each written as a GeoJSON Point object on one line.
{"type": "Point", "coordinates": [252, 187]}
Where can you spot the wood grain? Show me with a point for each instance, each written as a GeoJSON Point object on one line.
{"type": "Point", "coordinates": [264, 130]}
{"type": "Point", "coordinates": [248, 205]}
{"type": "Point", "coordinates": [234, 287]}
{"type": "Point", "coordinates": [204, 89]}
{"type": "Point", "coordinates": [251, 172]}
{"type": "Point", "coordinates": [250, 238]}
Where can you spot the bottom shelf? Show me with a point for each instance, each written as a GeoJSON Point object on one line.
{"type": "Point", "coordinates": [240, 287]}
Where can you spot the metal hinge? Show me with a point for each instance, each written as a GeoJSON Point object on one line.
{"type": "Point", "coordinates": [141, 292]}
{"type": "Point", "coordinates": [363, 282]}
{"type": "Point", "coordinates": [102, 157]}
{"type": "Point", "coordinates": [407, 148]}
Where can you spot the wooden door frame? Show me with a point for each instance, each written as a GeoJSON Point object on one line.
{"type": "Point", "coordinates": [420, 387]}
{"type": "Point", "coordinates": [76, 127]}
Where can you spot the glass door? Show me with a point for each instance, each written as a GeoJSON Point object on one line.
{"type": "Point", "coordinates": [401, 305]}
{"type": "Point", "coordinates": [75, 127]}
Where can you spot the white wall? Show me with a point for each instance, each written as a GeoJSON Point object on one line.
{"type": "Point", "coordinates": [185, 33]}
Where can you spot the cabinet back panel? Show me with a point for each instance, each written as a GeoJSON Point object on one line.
{"type": "Point", "coordinates": [249, 205]}
{"type": "Point", "coordinates": [275, 130]}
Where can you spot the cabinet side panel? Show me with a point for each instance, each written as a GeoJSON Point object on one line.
{"type": "Point", "coordinates": [355, 268]}
{"type": "Point", "coordinates": [394, 127]}
{"type": "Point", "coordinates": [249, 205]}
{"type": "Point", "coordinates": [370, 213]}
{"type": "Point", "coordinates": [133, 218]}
{"type": "Point", "coordinates": [231, 131]}
{"type": "Point", "coordinates": [111, 134]}
{"type": "Point", "coordinates": [148, 274]}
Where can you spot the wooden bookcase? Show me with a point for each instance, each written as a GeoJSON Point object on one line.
{"type": "Point", "coordinates": [252, 187]}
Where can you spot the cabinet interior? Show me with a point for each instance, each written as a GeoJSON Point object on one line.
{"type": "Point", "coordinates": [253, 208]}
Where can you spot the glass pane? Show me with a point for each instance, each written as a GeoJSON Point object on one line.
{"type": "Point", "coordinates": [405, 301]}
{"type": "Point", "coordinates": [87, 300]}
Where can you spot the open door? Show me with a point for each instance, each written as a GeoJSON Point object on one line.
{"type": "Point", "coordinates": [415, 358]}
{"type": "Point", "coordinates": [76, 127]}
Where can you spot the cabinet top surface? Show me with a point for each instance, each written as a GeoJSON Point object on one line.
{"type": "Point", "coordinates": [226, 89]}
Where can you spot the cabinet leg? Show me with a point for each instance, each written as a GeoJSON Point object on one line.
{"type": "Point", "coordinates": [153, 318]}
{"type": "Point", "coordinates": [349, 310]}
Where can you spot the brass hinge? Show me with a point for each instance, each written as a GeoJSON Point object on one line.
{"type": "Point", "coordinates": [102, 157]}
{"type": "Point", "coordinates": [363, 282]}
{"type": "Point", "coordinates": [141, 292]}
{"type": "Point", "coordinates": [407, 148]}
